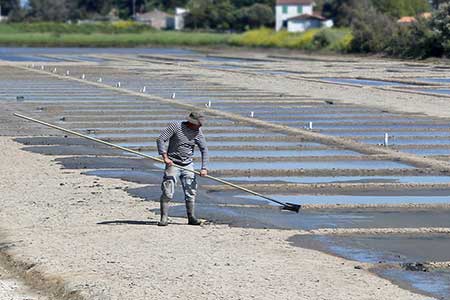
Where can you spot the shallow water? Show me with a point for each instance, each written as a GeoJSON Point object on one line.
{"type": "Point", "coordinates": [222, 67]}
{"type": "Point", "coordinates": [374, 126]}
{"type": "Point", "coordinates": [396, 249]}
{"type": "Point", "coordinates": [281, 153]}
{"type": "Point", "coordinates": [273, 165]}
{"type": "Point", "coordinates": [408, 141]}
{"type": "Point", "coordinates": [71, 51]}
{"type": "Point", "coordinates": [434, 80]}
{"type": "Point", "coordinates": [347, 179]}
{"type": "Point", "coordinates": [437, 151]}
{"type": "Point", "coordinates": [365, 82]}
{"type": "Point", "coordinates": [436, 283]}
{"type": "Point", "coordinates": [392, 135]}
{"type": "Point", "coordinates": [210, 135]}
{"type": "Point", "coordinates": [349, 199]}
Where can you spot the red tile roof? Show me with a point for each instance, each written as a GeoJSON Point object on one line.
{"type": "Point", "coordinates": [295, 2]}
{"type": "Point", "coordinates": [407, 20]}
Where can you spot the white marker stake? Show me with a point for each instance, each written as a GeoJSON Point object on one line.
{"type": "Point", "coordinates": [42, 68]}
{"type": "Point", "coordinates": [54, 70]}
{"type": "Point", "coordinates": [386, 140]}
{"type": "Point", "coordinates": [310, 126]}
{"type": "Point", "coordinates": [252, 114]}
{"type": "Point", "coordinates": [100, 80]}
{"type": "Point", "coordinates": [118, 84]}
{"type": "Point", "coordinates": [67, 73]}
{"type": "Point", "coordinates": [144, 89]}
{"type": "Point", "coordinates": [83, 76]}
{"type": "Point", "coordinates": [173, 96]}
{"type": "Point", "coordinates": [209, 103]}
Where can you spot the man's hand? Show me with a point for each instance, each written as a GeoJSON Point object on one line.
{"type": "Point", "coordinates": [203, 172]}
{"type": "Point", "coordinates": [167, 160]}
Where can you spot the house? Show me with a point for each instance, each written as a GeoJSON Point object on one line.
{"type": "Point", "coordinates": [157, 19]}
{"type": "Point", "coordinates": [180, 14]}
{"type": "Point", "coordinates": [306, 21]}
{"type": "Point", "coordinates": [286, 9]}
{"type": "Point", "coordinates": [298, 16]}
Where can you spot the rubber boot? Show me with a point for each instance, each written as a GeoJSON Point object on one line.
{"type": "Point", "coordinates": [192, 220]}
{"type": "Point", "coordinates": [164, 205]}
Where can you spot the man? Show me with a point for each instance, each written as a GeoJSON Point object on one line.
{"type": "Point", "coordinates": [176, 146]}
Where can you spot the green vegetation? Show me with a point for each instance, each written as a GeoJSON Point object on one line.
{"type": "Point", "coordinates": [217, 15]}
{"type": "Point", "coordinates": [323, 39]}
{"type": "Point", "coordinates": [83, 28]}
{"type": "Point", "coordinates": [362, 26]}
{"type": "Point", "coordinates": [130, 34]}
{"type": "Point", "coordinates": [120, 34]}
{"type": "Point", "coordinates": [375, 32]}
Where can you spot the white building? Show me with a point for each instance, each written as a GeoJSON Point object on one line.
{"type": "Point", "coordinates": [286, 9]}
{"type": "Point", "coordinates": [180, 14]}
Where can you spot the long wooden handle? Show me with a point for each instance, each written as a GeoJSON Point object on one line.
{"type": "Point", "coordinates": [147, 156]}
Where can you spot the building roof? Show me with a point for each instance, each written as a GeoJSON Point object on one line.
{"type": "Point", "coordinates": [407, 20]}
{"type": "Point", "coordinates": [425, 15]}
{"type": "Point", "coordinates": [153, 14]}
{"type": "Point", "coordinates": [295, 2]}
{"type": "Point", "coordinates": [307, 17]}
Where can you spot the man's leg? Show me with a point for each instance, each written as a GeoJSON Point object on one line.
{"type": "Point", "coordinates": [190, 191]}
{"type": "Point", "coordinates": [168, 189]}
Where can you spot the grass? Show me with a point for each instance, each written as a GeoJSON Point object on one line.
{"type": "Point", "coordinates": [112, 40]}
{"type": "Point", "coordinates": [131, 34]}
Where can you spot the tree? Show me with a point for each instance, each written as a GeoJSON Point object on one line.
{"type": "Point", "coordinates": [439, 24]}
{"type": "Point", "coordinates": [246, 3]}
{"type": "Point", "coordinates": [371, 29]}
{"type": "Point", "coordinates": [401, 8]}
{"type": "Point", "coordinates": [437, 3]}
{"type": "Point", "coordinates": [415, 40]}
{"type": "Point", "coordinates": [8, 6]}
{"type": "Point", "coordinates": [88, 8]}
{"type": "Point", "coordinates": [255, 16]}
{"type": "Point", "coordinates": [342, 11]}
{"type": "Point", "coordinates": [210, 14]}
{"type": "Point", "coordinates": [49, 10]}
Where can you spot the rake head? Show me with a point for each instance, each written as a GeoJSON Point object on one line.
{"type": "Point", "coordinates": [291, 207]}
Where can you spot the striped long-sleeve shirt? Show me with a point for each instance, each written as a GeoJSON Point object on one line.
{"type": "Point", "coordinates": [178, 141]}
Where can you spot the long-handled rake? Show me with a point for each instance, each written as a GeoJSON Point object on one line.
{"type": "Point", "coordinates": [285, 205]}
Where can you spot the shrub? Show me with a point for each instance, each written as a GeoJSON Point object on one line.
{"type": "Point", "coordinates": [335, 39]}
{"type": "Point", "coordinates": [440, 25]}
{"type": "Point", "coordinates": [415, 40]}
{"type": "Point", "coordinates": [302, 40]}
{"type": "Point", "coordinates": [371, 31]}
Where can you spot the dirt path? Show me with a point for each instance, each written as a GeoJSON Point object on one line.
{"type": "Point", "coordinates": [13, 289]}
{"type": "Point", "coordinates": [50, 217]}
